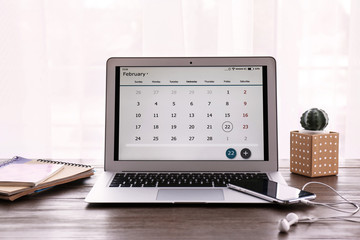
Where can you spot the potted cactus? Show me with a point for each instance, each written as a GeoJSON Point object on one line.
{"type": "Point", "coordinates": [314, 120]}
{"type": "Point", "coordinates": [314, 151]}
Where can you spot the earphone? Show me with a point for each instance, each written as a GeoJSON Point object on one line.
{"type": "Point", "coordinates": [292, 218]}
{"type": "Point", "coordinates": [285, 223]}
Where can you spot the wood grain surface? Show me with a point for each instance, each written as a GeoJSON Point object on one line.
{"type": "Point", "coordinates": [61, 213]}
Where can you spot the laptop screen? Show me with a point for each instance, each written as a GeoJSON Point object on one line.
{"type": "Point", "coordinates": [191, 113]}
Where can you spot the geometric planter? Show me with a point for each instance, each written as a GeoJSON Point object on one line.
{"type": "Point", "coordinates": [314, 155]}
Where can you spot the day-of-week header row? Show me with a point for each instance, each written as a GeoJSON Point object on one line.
{"type": "Point", "coordinates": [177, 82]}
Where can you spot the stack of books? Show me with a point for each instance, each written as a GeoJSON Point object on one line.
{"type": "Point", "coordinates": [21, 176]}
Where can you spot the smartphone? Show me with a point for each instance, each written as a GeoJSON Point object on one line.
{"type": "Point", "coordinates": [272, 191]}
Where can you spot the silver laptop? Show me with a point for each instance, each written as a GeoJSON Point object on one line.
{"type": "Point", "coordinates": [179, 129]}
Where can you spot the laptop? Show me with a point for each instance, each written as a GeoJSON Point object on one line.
{"type": "Point", "coordinates": [179, 129]}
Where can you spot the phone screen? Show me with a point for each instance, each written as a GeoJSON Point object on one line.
{"type": "Point", "coordinates": [272, 191]}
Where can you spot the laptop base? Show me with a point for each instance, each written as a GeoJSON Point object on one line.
{"type": "Point", "coordinates": [101, 193]}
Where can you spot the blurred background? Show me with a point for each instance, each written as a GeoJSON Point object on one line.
{"type": "Point", "coordinates": [53, 56]}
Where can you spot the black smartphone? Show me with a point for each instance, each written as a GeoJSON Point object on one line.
{"type": "Point", "coordinates": [272, 191]}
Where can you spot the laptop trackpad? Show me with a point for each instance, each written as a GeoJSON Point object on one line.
{"type": "Point", "coordinates": [190, 195]}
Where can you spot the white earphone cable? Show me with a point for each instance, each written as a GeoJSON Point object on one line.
{"type": "Point", "coordinates": [350, 217]}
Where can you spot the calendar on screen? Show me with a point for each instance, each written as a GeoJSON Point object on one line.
{"type": "Point", "coordinates": [191, 113]}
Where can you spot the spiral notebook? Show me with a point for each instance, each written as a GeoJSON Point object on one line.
{"type": "Point", "coordinates": [27, 175]}
{"type": "Point", "coordinates": [70, 172]}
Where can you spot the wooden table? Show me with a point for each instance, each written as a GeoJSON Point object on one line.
{"type": "Point", "coordinates": [62, 213]}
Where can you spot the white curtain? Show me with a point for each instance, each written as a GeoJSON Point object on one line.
{"type": "Point", "coordinates": [53, 54]}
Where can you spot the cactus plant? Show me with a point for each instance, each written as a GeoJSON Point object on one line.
{"type": "Point", "coordinates": [314, 119]}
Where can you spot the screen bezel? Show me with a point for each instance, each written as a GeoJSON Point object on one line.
{"type": "Point", "coordinates": [268, 165]}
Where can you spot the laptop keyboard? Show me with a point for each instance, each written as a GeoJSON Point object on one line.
{"type": "Point", "coordinates": [181, 179]}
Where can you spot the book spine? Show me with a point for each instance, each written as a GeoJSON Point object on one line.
{"type": "Point", "coordinates": [64, 163]}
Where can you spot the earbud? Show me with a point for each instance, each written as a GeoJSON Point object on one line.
{"type": "Point", "coordinates": [285, 223]}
